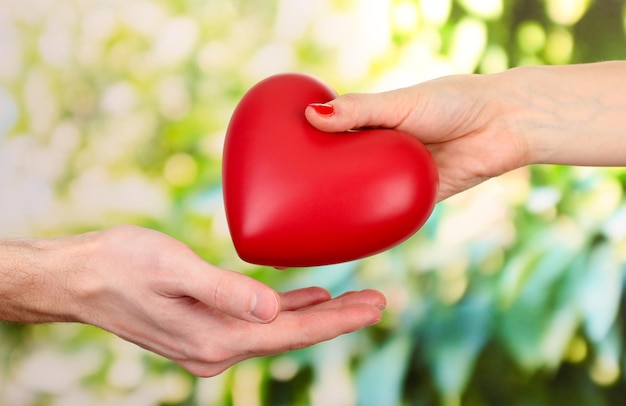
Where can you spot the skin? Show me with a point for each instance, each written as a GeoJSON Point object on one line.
{"type": "Point", "coordinates": [152, 290]}
{"type": "Point", "coordinates": [481, 126]}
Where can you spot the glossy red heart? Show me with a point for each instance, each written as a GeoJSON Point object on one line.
{"type": "Point", "coordinates": [296, 196]}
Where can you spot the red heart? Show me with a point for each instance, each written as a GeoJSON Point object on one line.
{"type": "Point", "coordinates": [296, 196]}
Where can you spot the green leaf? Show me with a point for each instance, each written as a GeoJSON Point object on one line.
{"type": "Point", "coordinates": [539, 324]}
{"type": "Point", "coordinates": [380, 377]}
{"type": "Point", "coordinates": [454, 337]}
{"type": "Point", "coordinates": [601, 291]}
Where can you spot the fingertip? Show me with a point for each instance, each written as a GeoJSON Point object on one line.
{"type": "Point", "coordinates": [324, 117]}
{"type": "Point", "coordinates": [369, 297]}
{"type": "Point", "coordinates": [317, 294]}
{"type": "Point", "coordinates": [265, 305]}
{"type": "Point", "coordinates": [376, 316]}
{"type": "Point", "coordinates": [322, 109]}
{"type": "Point", "coordinates": [376, 298]}
{"type": "Point", "coordinates": [344, 113]}
{"type": "Point", "coordinates": [361, 315]}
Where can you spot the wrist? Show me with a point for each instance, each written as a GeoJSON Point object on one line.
{"type": "Point", "coordinates": [35, 284]}
{"type": "Point", "coordinates": [525, 114]}
{"type": "Point", "coordinates": [568, 115]}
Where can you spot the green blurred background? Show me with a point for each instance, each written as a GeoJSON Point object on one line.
{"type": "Point", "coordinates": [114, 111]}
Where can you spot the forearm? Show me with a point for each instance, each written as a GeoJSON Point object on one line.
{"type": "Point", "coordinates": [32, 288]}
{"type": "Point", "coordinates": [571, 115]}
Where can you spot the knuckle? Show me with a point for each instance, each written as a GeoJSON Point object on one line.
{"type": "Point", "coordinates": [349, 107]}
{"type": "Point", "coordinates": [349, 101]}
{"type": "Point", "coordinates": [166, 254]}
{"type": "Point", "coordinates": [304, 338]}
{"type": "Point", "coordinates": [219, 294]}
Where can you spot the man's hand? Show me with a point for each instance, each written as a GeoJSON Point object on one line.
{"type": "Point", "coordinates": [154, 291]}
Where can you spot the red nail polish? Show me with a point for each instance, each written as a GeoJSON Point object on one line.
{"type": "Point", "coordinates": [323, 109]}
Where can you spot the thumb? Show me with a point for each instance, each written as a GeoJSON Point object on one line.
{"type": "Point", "coordinates": [235, 294]}
{"type": "Point", "coordinates": [357, 110]}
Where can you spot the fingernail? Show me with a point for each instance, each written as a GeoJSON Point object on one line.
{"type": "Point", "coordinates": [264, 306]}
{"type": "Point", "coordinates": [323, 109]}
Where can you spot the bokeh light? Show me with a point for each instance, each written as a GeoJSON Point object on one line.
{"type": "Point", "coordinates": [115, 112]}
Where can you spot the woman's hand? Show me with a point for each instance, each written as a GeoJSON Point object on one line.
{"type": "Point", "coordinates": [481, 126]}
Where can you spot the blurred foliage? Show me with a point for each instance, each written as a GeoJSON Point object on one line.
{"type": "Point", "coordinates": [115, 111]}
